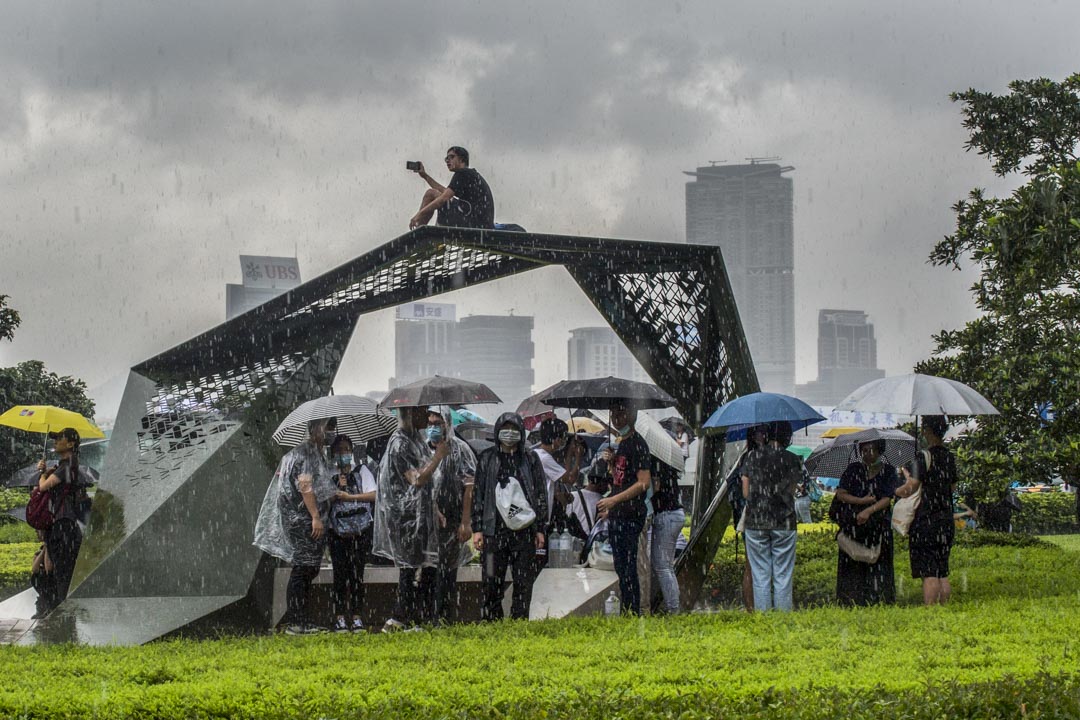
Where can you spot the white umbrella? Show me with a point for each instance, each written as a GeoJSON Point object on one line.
{"type": "Point", "coordinates": [661, 445]}
{"type": "Point", "coordinates": [358, 417]}
{"type": "Point", "coordinates": [917, 394]}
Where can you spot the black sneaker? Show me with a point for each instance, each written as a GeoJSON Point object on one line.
{"type": "Point", "coordinates": [357, 626]}
{"type": "Point", "coordinates": [340, 626]}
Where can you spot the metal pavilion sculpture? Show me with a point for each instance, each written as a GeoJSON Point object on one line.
{"type": "Point", "coordinates": [169, 541]}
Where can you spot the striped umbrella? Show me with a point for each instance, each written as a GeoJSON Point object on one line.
{"type": "Point", "coordinates": [358, 417]}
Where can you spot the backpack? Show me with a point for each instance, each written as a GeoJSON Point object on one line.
{"type": "Point", "coordinates": [40, 511]}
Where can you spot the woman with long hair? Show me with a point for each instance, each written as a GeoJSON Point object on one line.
{"type": "Point", "coordinates": [64, 537]}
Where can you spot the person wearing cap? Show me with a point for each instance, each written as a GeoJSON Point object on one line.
{"type": "Point", "coordinates": [555, 440]}
{"type": "Point", "coordinates": [64, 537]}
{"type": "Point", "coordinates": [624, 508]}
{"type": "Point", "coordinates": [769, 477]}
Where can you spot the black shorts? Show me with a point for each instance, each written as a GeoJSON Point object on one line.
{"type": "Point", "coordinates": [930, 553]}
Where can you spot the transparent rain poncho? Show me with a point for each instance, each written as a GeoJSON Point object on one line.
{"type": "Point", "coordinates": [404, 513]}
{"type": "Point", "coordinates": [449, 481]}
{"type": "Point", "coordinates": [283, 514]}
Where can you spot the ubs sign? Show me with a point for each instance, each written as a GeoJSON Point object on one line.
{"type": "Point", "coordinates": [260, 271]}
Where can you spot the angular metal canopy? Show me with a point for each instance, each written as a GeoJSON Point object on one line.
{"type": "Point", "coordinates": [190, 456]}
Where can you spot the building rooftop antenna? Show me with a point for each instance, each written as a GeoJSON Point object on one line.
{"type": "Point", "coordinates": [714, 163]}
{"type": "Point", "coordinates": [759, 160]}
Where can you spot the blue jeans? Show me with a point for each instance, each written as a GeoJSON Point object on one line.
{"type": "Point", "coordinates": [665, 531]}
{"type": "Point", "coordinates": [623, 535]}
{"type": "Point", "coordinates": [772, 565]}
{"type": "Point", "coordinates": [802, 509]}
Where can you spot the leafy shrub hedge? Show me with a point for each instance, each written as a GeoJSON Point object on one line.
{"type": "Point", "coordinates": [17, 532]}
{"type": "Point", "coordinates": [1046, 514]}
{"type": "Point", "coordinates": [12, 498]}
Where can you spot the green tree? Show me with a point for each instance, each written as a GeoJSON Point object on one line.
{"type": "Point", "coordinates": [29, 383]}
{"type": "Point", "coordinates": [9, 319]}
{"type": "Point", "coordinates": [1023, 352]}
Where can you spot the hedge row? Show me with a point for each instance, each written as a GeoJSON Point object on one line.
{"type": "Point", "coordinates": [1041, 514]}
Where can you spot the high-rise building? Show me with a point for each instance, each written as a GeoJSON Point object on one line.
{"type": "Point", "coordinates": [598, 352]}
{"type": "Point", "coordinates": [498, 350]}
{"type": "Point", "coordinates": [847, 357]}
{"type": "Point", "coordinates": [748, 210]}
{"type": "Point", "coordinates": [264, 278]}
{"type": "Point", "coordinates": [425, 342]}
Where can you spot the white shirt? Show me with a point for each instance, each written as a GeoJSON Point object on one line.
{"type": "Point", "coordinates": [554, 472]}
{"type": "Point", "coordinates": [591, 498]}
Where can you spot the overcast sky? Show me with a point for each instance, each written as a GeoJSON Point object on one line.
{"type": "Point", "coordinates": [145, 145]}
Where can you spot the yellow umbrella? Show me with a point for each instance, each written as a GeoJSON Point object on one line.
{"type": "Point", "coordinates": [47, 419]}
{"type": "Point", "coordinates": [585, 424]}
{"type": "Point", "coordinates": [838, 431]}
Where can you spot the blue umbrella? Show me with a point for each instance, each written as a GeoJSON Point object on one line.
{"type": "Point", "coordinates": [759, 408]}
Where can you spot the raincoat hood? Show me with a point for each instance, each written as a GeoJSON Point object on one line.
{"type": "Point", "coordinates": [517, 422]}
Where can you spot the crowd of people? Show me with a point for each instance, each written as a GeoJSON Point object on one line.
{"type": "Point", "coordinates": [770, 477]}
{"type": "Point", "coordinates": [422, 500]}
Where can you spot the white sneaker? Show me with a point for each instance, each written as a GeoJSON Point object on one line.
{"type": "Point", "coordinates": [340, 626]}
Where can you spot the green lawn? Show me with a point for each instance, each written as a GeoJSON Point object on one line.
{"type": "Point", "coordinates": [1005, 648]}
{"type": "Point", "coordinates": [1066, 542]}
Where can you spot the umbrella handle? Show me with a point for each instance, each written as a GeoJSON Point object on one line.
{"type": "Point", "coordinates": [45, 449]}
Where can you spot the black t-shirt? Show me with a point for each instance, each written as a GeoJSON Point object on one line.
{"type": "Point", "coordinates": [666, 497]}
{"type": "Point", "coordinates": [478, 206]}
{"type": "Point", "coordinates": [633, 455]}
{"type": "Point", "coordinates": [935, 510]}
{"type": "Point", "coordinates": [773, 474]}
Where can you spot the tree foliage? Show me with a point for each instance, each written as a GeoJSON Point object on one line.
{"type": "Point", "coordinates": [29, 383]}
{"type": "Point", "coordinates": [9, 319]}
{"type": "Point", "coordinates": [1023, 352]}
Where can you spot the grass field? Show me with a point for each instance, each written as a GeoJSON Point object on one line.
{"type": "Point", "coordinates": [1005, 648]}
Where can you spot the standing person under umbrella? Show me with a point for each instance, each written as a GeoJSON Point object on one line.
{"type": "Point", "coordinates": [453, 484]}
{"type": "Point", "coordinates": [863, 500]}
{"type": "Point", "coordinates": [624, 508]}
{"type": "Point", "coordinates": [502, 546]}
{"type": "Point", "coordinates": [64, 537]}
{"type": "Point", "coordinates": [930, 537]}
{"type": "Point", "coordinates": [292, 522]}
{"type": "Point", "coordinates": [404, 515]}
{"type": "Point", "coordinates": [769, 477]}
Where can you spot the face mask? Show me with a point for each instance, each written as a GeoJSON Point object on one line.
{"type": "Point", "coordinates": [344, 461]}
{"type": "Point", "coordinates": [624, 430]}
{"type": "Point", "coordinates": [509, 437]}
{"type": "Point", "coordinates": [434, 434]}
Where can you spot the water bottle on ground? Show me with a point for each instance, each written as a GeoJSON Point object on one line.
{"type": "Point", "coordinates": [612, 605]}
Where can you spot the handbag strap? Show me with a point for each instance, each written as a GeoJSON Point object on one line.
{"type": "Point", "coordinates": [585, 507]}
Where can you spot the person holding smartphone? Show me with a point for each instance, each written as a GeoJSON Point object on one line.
{"type": "Point", "coordinates": [465, 202]}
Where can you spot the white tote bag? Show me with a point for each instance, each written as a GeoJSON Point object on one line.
{"type": "Point", "coordinates": [903, 511]}
{"type": "Point", "coordinates": [513, 505]}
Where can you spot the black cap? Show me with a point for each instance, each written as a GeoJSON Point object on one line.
{"type": "Point", "coordinates": [552, 429]}
{"type": "Point", "coordinates": [69, 434]}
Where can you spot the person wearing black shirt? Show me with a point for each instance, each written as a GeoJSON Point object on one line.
{"type": "Point", "coordinates": [624, 508]}
{"type": "Point", "coordinates": [465, 202]}
{"type": "Point", "coordinates": [64, 537]}
{"type": "Point", "coordinates": [930, 537]}
{"type": "Point", "coordinates": [668, 520]}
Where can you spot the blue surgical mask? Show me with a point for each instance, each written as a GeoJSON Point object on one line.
{"type": "Point", "coordinates": [344, 461]}
{"type": "Point", "coordinates": [434, 434]}
{"type": "Point", "coordinates": [624, 430]}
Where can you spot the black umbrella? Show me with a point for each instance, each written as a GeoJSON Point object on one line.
{"type": "Point", "coordinates": [28, 476]}
{"type": "Point", "coordinates": [602, 393]}
{"type": "Point", "coordinates": [470, 431]}
{"type": "Point", "coordinates": [440, 390]}
{"type": "Point", "coordinates": [832, 458]}
{"type": "Point", "coordinates": [537, 404]}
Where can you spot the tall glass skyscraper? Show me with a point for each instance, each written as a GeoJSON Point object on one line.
{"type": "Point", "coordinates": [748, 210]}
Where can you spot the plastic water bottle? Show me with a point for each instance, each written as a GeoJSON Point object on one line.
{"type": "Point", "coordinates": [612, 605]}
{"type": "Point", "coordinates": [566, 549]}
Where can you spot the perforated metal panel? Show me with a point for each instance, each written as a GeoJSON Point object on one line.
{"type": "Point", "coordinates": [190, 456]}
